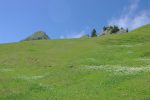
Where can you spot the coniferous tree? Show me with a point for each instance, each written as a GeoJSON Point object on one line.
{"type": "Point", "coordinates": [93, 34]}
{"type": "Point", "coordinates": [115, 29]}
{"type": "Point", "coordinates": [127, 30]}
{"type": "Point", "coordinates": [104, 28]}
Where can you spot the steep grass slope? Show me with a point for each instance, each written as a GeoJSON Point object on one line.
{"type": "Point", "coordinates": [111, 67]}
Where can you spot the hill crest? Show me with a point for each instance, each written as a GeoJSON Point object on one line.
{"type": "Point", "coordinates": [39, 35]}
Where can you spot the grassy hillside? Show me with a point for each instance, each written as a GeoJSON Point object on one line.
{"type": "Point", "coordinates": [110, 67]}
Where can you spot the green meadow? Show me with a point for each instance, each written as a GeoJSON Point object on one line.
{"type": "Point", "coordinates": [109, 67]}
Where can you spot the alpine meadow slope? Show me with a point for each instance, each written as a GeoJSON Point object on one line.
{"type": "Point", "coordinates": [109, 67]}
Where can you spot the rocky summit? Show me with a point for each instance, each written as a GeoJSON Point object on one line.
{"type": "Point", "coordinates": [113, 30]}
{"type": "Point", "coordinates": [40, 35]}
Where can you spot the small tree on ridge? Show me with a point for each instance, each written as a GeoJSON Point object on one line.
{"type": "Point", "coordinates": [93, 33]}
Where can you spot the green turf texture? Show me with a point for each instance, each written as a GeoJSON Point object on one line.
{"type": "Point", "coordinates": [110, 67]}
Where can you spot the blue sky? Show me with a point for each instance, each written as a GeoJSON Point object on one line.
{"type": "Point", "coordinates": [68, 18]}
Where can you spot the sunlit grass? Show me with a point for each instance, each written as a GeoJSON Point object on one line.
{"type": "Point", "coordinates": [112, 67]}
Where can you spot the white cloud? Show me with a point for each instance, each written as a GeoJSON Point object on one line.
{"type": "Point", "coordinates": [132, 17]}
{"type": "Point", "coordinates": [75, 34]}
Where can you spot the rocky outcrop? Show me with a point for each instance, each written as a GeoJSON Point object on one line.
{"type": "Point", "coordinates": [113, 30]}
{"type": "Point", "coordinates": [40, 35]}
